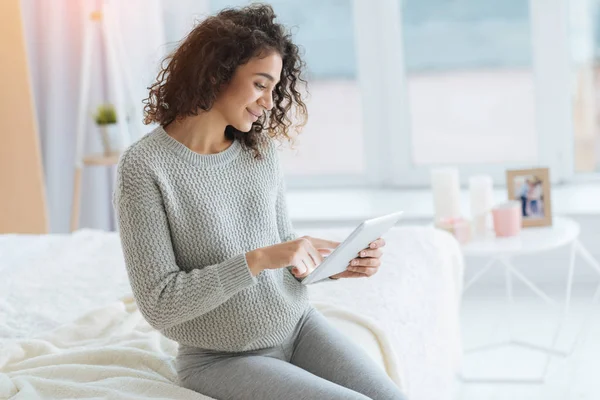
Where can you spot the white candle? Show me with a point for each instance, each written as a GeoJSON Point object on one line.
{"type": "Point", "coordinates": [445, 186]}
{"type": "Point", "coordinates": [482, 199]}
{"type": "Point", "coordinates": [481, 194]}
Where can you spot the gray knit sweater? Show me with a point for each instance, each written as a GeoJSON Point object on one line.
{"type": "Point", "coordinates": [186, 221]}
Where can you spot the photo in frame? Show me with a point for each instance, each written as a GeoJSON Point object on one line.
{"type": "Point", "coordinates": [531, 187]}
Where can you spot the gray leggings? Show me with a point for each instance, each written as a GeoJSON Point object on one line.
{"type": "Point", "coordinates": [315, 362]}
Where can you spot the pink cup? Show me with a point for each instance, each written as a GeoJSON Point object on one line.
{"type": "Point", "coordinates": [507, 218]}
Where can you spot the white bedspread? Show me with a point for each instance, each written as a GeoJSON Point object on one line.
{"type": "Point", "coordinates": [48, 281]}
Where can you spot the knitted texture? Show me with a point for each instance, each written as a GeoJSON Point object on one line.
{"type": "Point", "coordinates": [186, 221]}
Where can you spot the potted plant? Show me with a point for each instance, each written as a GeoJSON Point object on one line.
{"type": "Point", "coordinates": [106, 119]}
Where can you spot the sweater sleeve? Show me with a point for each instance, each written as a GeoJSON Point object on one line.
{"type": "Point", "coordinates": [165, 294]}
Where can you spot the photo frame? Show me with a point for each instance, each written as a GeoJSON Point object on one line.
{"type": "Point", "coordinates": [532, 188]}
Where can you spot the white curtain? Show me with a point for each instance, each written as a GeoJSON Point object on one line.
{"type": "Point", "coordinates": [54, 33]}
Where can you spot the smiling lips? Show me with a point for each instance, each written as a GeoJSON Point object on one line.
{"type": "Point", "coordinates": [255, 115]}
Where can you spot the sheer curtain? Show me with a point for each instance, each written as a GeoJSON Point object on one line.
{"type": "Point", "coordinates": [54, 35]}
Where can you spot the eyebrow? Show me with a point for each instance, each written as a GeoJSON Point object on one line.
{"type": "Point", "coordinates": [269, 77]}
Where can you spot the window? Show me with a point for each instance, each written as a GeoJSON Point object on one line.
{"type": "Point", "coordinates": [470, 82]}
{"type": "Point", "coordinates": [485, 86]}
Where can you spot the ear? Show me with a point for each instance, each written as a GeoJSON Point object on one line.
{"type": "Point", "coordinates": [222, 86]}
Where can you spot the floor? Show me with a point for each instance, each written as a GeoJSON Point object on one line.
{"type": "Point", "coordinates": [573, 377]}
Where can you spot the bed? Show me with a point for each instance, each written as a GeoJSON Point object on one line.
{"type": "Point", "coordinates": [69, 327]}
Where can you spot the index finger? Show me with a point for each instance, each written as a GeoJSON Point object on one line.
{"type": "Point", "coordinates": [314, 253]}
{"type": "Point", "coordinates": [322, 243]}
{"type": "Point", "coordinates": [316, 256]}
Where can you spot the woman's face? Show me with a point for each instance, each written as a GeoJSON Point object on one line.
{"type": "Point", "coordinates": [250, 92]}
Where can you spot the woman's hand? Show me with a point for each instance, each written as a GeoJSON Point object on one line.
{"type": "Point", "coordinates": [323, 247]}
{"type": "Point", "coordinates": [304, 253]}
{"type": "Point", "coordinates": [366, 264]}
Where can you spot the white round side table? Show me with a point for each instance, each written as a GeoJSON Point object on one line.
{"type": "Point", "coordinates": [563, 232]}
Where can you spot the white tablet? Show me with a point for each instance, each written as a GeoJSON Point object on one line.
{"type": "Point", "coordinates": [358, 240]}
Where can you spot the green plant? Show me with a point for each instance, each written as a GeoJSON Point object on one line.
{"type": "Point", "coordinates": [105, 114]}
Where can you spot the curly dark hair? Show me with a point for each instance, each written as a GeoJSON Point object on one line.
{"type": "Point", "coordinates": [208, 57]}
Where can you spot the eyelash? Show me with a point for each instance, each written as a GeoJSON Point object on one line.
{"type": "Point", "coordinates": [258, 85]}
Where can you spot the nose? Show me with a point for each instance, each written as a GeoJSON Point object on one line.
{"type": "Point", "coordinates": [266, 101]}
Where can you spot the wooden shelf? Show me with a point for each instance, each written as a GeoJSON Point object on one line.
{"type": "Point", "coordinates": [101, 159]}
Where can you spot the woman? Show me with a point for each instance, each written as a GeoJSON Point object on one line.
{"type": "Point", "coordinates": [210, 251]}
{"type": "Point", "coordinates": [523, 196]}
{"type": "Point", "coordinates": [535, 198]}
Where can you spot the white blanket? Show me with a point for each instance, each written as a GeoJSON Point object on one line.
{"type": "Point", "coordinates": [112, 353]}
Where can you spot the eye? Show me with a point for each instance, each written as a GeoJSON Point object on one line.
{"type": "Point", "coordinates": [261, 87]}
